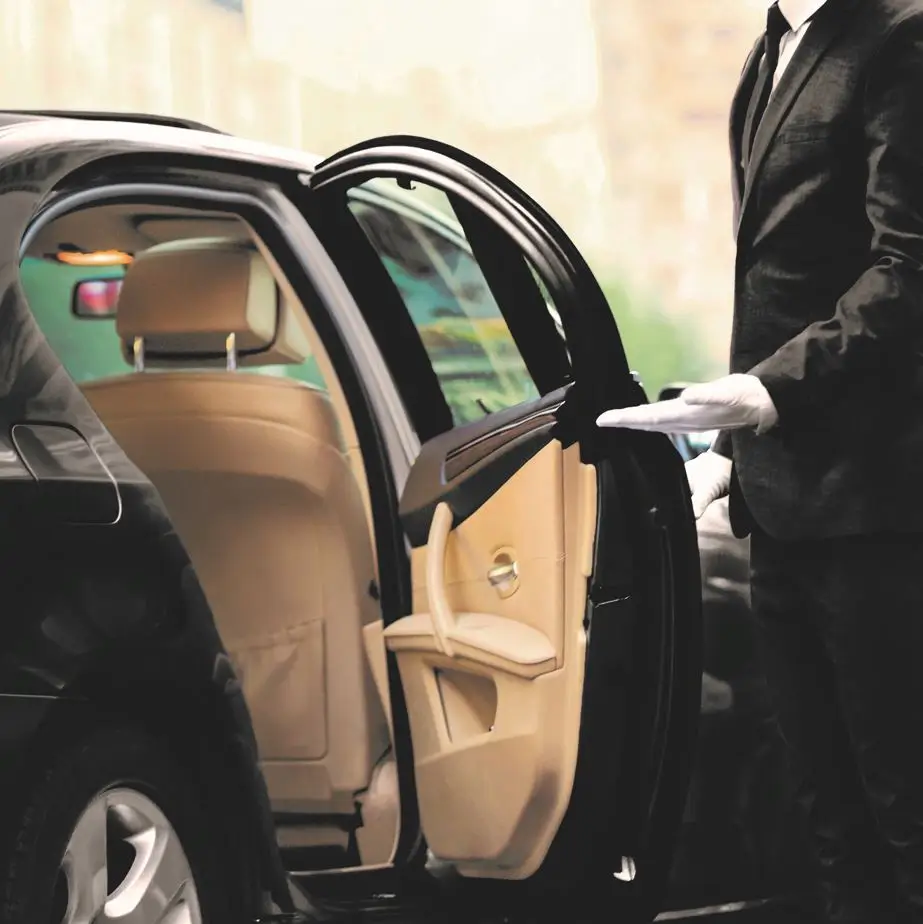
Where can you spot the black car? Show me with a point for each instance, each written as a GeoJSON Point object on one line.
{"type": "Point", "coordinates": [325, 595]}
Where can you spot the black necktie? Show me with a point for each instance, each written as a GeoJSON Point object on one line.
{"type": "Point", "coordinates": [776, 26]}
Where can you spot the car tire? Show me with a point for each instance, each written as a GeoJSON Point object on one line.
{"type": "Point", "coordinates": [121, 785]}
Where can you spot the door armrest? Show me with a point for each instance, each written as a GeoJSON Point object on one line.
{"type": "Point", "coordinates": [493, 641]}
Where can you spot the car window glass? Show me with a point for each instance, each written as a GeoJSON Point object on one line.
{"type": "Point", "coordinates": [88, 345]}
{"type": "Point", "coordinates": [424, 250]}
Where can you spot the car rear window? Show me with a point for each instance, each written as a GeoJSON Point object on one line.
{"type": "Point", "coordinates": [89, 347]}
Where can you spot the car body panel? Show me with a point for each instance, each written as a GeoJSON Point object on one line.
{"type": "Point", "coordinates": [96, 610]}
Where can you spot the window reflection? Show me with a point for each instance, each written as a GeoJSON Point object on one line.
{"type": "Point", "coordinates": [474, 355]}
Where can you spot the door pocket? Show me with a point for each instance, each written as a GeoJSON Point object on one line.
{"type": "Point", "coordinates": [284, 684]}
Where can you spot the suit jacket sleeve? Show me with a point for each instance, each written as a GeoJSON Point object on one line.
{"type": "Point", "coordinates": [879, 320]}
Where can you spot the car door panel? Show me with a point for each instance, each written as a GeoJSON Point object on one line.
{"type": "Point", "coordinates": [493, 670]}
{"type": "Point", "coordinates": [506, 559]}
{"type": "Point", "coordinates": [465, 467]}
{"type": "Point", "coordinates": [549, 662]}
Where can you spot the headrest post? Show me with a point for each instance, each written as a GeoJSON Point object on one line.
{"type": "Point", "coordinates": [231, 349]}
{"type": "Point", "coordinates": [137, 350]}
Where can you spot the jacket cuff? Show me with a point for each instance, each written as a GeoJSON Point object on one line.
{"type": "Point", "coordinates": [787, 393]}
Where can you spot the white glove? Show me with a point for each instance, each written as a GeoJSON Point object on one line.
{"type": "Point", "coordinates": [709, 477]}
{"type": "Point", "coordinates": [729, 403]}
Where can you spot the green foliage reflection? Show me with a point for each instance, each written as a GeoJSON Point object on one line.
{"type": "Point", "coordinates": [660, 348]}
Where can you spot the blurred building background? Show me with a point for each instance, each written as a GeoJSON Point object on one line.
{"type": "Point", "coordinates": [613, 113]}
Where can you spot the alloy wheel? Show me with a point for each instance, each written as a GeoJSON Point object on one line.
{"type": "Point", "coordinates": [125, 863]}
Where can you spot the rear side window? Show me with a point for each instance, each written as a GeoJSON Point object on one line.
{"type": "Point", "coordinates": [76, 305]}
{"type": "Point", "coordinates": [88, 347]}
{"type": "Point", "coordinates": [473, 353]}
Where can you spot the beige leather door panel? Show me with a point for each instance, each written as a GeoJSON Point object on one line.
{"type": "Point", "coordinates": [524, 523]}
{"type": "Point", "coordinates": [491, 662]}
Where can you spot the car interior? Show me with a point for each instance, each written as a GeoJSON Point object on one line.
{"type": "Point", "coordinates": [263, 477]}
{"type": "Point", "coordinates": [255, 455]}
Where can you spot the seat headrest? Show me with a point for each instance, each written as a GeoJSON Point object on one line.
{"type": "Point", "coordinates": [185, 297]}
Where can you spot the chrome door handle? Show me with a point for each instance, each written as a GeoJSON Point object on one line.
{"type": "Point", "coordinates": [504, 575]}
{"type": "Point", "coordinates": [501, 574]}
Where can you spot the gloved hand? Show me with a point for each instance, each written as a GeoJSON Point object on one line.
{"type": "Point", "coordinates": [709, 477]}
{"type": "Point", "coordinates": [729, 403]}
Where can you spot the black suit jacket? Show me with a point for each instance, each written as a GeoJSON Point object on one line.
{"type": "Point", "coordinates": [828, 304]}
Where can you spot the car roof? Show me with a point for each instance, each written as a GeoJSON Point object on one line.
{"type": "Point", "coordinates": [188, 136]}
{"type": "Point", "coordinates": [11, 116]}
{"type": "Point", "coordinates": [37, 128]}
{"type": "Point", "coordinates": [181, 135]}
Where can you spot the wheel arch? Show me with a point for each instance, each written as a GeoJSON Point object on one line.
{"type": "Point", "coordinates": [198, 722]}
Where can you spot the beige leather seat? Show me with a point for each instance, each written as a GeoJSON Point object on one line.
{"type": "Point", "coordinates": [252, 471]}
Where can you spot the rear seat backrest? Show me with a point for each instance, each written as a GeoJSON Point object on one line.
{"type": "Point", "coordinates": [252, 472]}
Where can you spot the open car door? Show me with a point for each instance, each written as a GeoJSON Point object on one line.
{"type": "Point", "coordinates": [550, 664]}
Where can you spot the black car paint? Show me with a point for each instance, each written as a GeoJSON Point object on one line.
{"type": "Point", "coordinates": [108, 615]}
{"type": "Point", "coordinates": [102, 610]}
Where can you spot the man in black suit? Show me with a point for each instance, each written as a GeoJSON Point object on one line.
{"type": "Point", "coordinates": [822, 415]}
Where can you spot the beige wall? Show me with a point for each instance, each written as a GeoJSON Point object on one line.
{"type": "Point", "coordinates": [611, 112]}
{"type": "Point", "coordinates": [669, 70]}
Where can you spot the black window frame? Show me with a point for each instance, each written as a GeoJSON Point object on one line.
{"type": "Point", "coordinates": [508, 275]}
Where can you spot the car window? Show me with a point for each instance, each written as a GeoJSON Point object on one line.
{"type": "Point", "coordinates": [479, 367]}
{"type": "Point", "coordinates": [88, 345]}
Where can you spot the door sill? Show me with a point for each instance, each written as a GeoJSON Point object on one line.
{"type": "Point", "coordinates": [691, 914]}
{"type": "Point", "coordinates": [373, 908]}
{"type": "Point", "coordinates": [377, 890]}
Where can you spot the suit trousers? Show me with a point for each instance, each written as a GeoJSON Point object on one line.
{"type": "Point", "coordinates": [840, 625]}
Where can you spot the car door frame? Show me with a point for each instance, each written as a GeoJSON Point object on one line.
{"type": "Point", "coordinates": [112, 675]}
{"type": "Point", "coordinates": [555, 259]}
{"type": "Point", "coordinates": [143, 170]}
{"type": "Point", "coordinates": [594, 344]}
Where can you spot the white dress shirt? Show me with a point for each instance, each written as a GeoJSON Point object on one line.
{"type": "Point", "coordinates": [798, 13]}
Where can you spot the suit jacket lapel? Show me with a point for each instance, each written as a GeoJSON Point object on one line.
{"type": "Point", "coordinates": [736, 122]}
{"type": "Point", "coordinates": [821, 33]}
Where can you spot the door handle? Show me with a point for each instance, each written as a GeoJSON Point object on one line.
{"type": "Point", "coordinates": [500, 574]}
{"type": "Point", "coordinates": [440, 611]}
{"type": "Point", "coordinates": [504, 575]}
